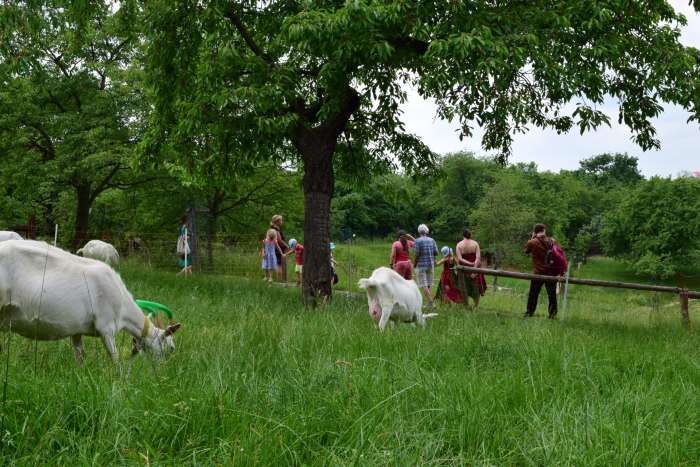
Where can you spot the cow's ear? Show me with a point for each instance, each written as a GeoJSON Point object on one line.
{"type": "Point", "coordinates": [172, 328]}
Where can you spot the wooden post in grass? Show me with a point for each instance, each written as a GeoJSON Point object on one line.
{"type": "Point", "coordinates": [685, 316]}
{"type": "Point", "coordinates": [566, 286]}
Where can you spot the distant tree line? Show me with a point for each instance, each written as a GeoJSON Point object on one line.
{"type": "Point", "coordinates": [605, 206]}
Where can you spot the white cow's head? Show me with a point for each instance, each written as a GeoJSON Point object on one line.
{"type": "Point", "coordinates": [159, 343]}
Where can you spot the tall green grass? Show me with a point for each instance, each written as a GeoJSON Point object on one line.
{"type": "Point", "coordinates": [258, 379]}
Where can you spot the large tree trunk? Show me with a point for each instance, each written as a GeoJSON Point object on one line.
{"type": "Point", "coordinates": [317, 145]}
{"type": "Point", "coordinates": [317, 151]}
{"type": "Point", "coordinates": [82, 215]}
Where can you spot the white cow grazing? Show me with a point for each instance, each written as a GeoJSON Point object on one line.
{"type": "Point", "coordinates": [391, 297]}
{"type": "Point", "coordinates": [9, 235]}
{"type": "Point", "coordinates": [81, 297]}
{"type": "Point", "coordinates": [101, 251]}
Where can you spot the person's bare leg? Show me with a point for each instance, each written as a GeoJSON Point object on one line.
{"type": "Point", "coordinates": [426, 294]}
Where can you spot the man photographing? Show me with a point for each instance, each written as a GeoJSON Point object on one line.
{"type": "Point", "coordinates": [537, 247]}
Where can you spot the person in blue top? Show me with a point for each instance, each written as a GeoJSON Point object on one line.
{"type": "Point", "coordinates": [269, 253]}
{"type": "Point", "coordinates": [426, 250]}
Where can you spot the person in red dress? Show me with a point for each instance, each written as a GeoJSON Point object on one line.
{"type": "Point", "coordinates": [400, 259]}
{"type": "Point", "coordinates": [447, 288]}
{"type": "Point", "coordinates": [471, 284]}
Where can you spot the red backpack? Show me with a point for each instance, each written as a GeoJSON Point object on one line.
{"type": "Point", "coordinates": [555, 259]}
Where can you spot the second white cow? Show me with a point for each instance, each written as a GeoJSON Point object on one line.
{"type": "Point", "coordinates": [391, 297]}
{"type": "Point", "coordinates": [101, 251]}
{"type": "Point", "coordinates": [49, 294]}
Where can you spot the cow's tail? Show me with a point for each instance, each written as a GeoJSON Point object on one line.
{"type": "Point", "coordinates": [366, 283]}
{"type": "Point", "coordinates": [429, 315]}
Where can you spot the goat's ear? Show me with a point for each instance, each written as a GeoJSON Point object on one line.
{"type": "Point", "coordinates": [172, 328]}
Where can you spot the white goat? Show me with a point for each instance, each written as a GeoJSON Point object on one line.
{"type": "Point", "coordinates": [48, 294]}
{"type": "Point", "coordinates": [391, 297]}
{"type": "Point", "coordinates": [101, 251]}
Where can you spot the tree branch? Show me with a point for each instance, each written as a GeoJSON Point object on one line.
{"type": "Point", "coordinates": [245, 34]}
{"type": "Point", "coordinates": [244, 199]}
{"type": "Point", "coordinates": [55, 101]}
{"type": "Point", "coordinates": [104, 184]}
{"type": "Point", "coordinates": [349, 103]}
{"type": "Point", "coordinates": [409, 44]}
{"type": "Point", "coordinates": [49, 150]}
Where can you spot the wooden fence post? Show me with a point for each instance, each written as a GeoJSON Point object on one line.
{"type": "Point", "coordinates": [685, 316]}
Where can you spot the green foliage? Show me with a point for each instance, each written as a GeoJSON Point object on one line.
{"type": "Point", "coordinates": [588, 239]}
{"type": "Point", "coordinates": [69, 103]}
{"type": "Point", "coordinates": [503, 219]}
{"type": "Point", "coordinates": [656, 226]}
{"type": "Point", "coordinates": [458, 186]}
{"type": "Point", "coordinates": [320, 83]}
{"type": "Point", "coordinates": [610, 169]}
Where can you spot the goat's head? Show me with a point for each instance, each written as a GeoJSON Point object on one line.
{"type": "Point", "coordinates": [374, 307]}
{"type": "Point", "coordinates": [158, 343]}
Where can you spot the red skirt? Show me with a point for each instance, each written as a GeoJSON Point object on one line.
{"type": "Point", "coordinates": [405, 269]}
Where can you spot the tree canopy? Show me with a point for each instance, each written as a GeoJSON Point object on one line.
{"type": "Point", "coordinates": [69, 103]}
{"type": "Point", "coordinates": [656, 226]}
{"type": "Point", "coordinates": [320, 83]}
{"type": "Point", "coordinates": [610, 169]}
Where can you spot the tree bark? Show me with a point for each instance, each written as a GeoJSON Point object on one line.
{"type": "Point", "coordinates": [317, 144]}
{"type": "Point", "coordinates": [82, 215]}
{"type": "Point", "coordinates": [317, 151]}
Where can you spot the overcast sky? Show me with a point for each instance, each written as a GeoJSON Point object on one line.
{"type": "Point", "coordinates": [680, 141]}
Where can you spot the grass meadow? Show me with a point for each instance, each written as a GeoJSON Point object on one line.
{"type": "Point", "coordinates": [258, 380]}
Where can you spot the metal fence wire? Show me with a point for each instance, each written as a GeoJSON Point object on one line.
{"type": "Point", "coordinates": [231, 255]}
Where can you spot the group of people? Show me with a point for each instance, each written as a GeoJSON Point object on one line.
{"type": "Point", "coordinates": [454, 286]}
{"type": "Point", "coordinates": [409, 257]}
{"type": "Point", "coordinates": [275, 250]}
{"type": "Point", "coordinates": [458, 286]}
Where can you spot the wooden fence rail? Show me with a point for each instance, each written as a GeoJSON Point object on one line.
{"type": "Point", "coordinates": [683, 294]}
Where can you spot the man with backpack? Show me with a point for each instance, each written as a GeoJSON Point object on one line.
{"type": "Point", "coordinates": [547, 259]}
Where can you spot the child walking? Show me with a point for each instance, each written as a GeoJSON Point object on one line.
{"type": "Point", "coordinates": [297, 249]}
{"type": "Point", "coordinates": [447, 288]}
{"type": "Point", "coordinates": [268, 253]}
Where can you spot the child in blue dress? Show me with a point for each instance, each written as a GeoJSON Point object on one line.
{"type": "Point", "coordinates": [268, 253]}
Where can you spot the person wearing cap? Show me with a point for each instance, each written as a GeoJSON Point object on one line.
{"type": "Point", "coordinates": [400, 261]}
{"type": "Point", "coordinates": [297, 249]}
{"type": "Point", "coordinates": [447, 287]}
{"type": "Point", "coordinates": [426, 250]}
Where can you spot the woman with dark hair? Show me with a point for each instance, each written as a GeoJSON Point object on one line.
{"type": "Point", "coordinates": [400, 261]}
{"type": "Point", "coordinates": [471, 284]}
